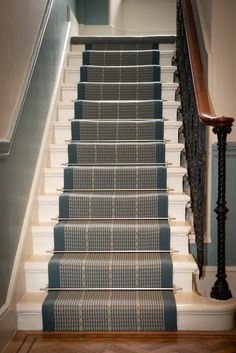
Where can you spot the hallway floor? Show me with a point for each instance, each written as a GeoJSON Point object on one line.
{"type": "Point", "coordinates": [181, 342]}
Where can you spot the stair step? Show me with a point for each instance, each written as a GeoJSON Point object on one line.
{"type": "Point", "coordinates": [110, 270]}
{"type": "Point", "coordinates": [193, 312]}
{"type": "Point", "coordinates": [53, 177]}
{"type": "Point", "coordinates": [81, 47]}
{"type": "Point", "coordinates": [69, 91]}
{"type": "Point", "coordinates": [65, 110]}
{"type": "Point", "coordinates": [75, 58]}
{"type": "Point", "coordinates": [43, 237]}
{"type": "Point", "coordinates": [62, 129]}
{"type": "Point", "coordinates": [110, 311]}
{"type": "Point", "coordinates": [113, 205]}
{"type": "Point", "coordinates": [124, 43]}
{"type": "Point", "coordinates": [48, 206]}
{"type": "Point", "coordinates": [72, 74]}
{"type": "Point", "coordinates": [59, 155]}
{"type": "Point", "coordinates": [37, 272]}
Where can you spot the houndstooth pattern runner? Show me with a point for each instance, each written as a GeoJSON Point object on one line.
{"type": "Point", "coordinates": [117, 130]}
{"type": "Point", "coordinates": [121, 58]}
{"type": "Point", "coordinates": [149, 109]}
{"type": "Point", "coordinates": [145, 73]}
{"type": "Point", "coordinates": [102, 235]}
{"type": "Point", "coordinates": [119, 91]}
{"type": "Point", "coordinates": [115, 178]}
{"type": "Point", "coordinates": [112, 270]}
{"type": "Point", "coordinates": [112, 241]}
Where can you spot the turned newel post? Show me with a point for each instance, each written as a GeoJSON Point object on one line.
{"type": "Point", "coordinates": [221, 290]}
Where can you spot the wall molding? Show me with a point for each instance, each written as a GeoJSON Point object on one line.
{"type": "Point", "coordinates": [15, 284]}
{"type": "Point", "coordinates": [6, 143]}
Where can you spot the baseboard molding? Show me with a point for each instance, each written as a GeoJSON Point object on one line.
{"type": "Point", "coordinates": [8, 327]}
{"type": "Point", "coordinates": [16, 287]}
{"type": "Point", "coordinates": [205, 284]}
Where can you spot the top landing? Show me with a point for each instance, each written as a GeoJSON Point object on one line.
{"type": "Point", "coordinates": [87, 39]}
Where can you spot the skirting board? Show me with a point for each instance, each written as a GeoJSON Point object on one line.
{"type": "Point", "coordinates": [8, 326]}
{"type": "Point", "coordinates": [205, 284]}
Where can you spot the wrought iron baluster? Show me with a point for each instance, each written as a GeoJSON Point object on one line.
{"type": "Point", "coordinates": [221, 289]}
{"type": "Point", "coordinates": [197, 115]}
{"type": "Point", "coordinates": [194, 133]}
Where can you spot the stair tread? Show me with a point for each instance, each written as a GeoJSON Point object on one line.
{"type": "Point", "coordinates": [177, 227]}
{"type": "Point", "coordinates": [171, 68]}
{"type": "Point", "coordinates": [170, 169]}
{"type": "Point", "coordinates": [185, 301]}
{"type": "Point", "coordinates": [167, 123]}
{"type": "Point", "coordinates": [173, 197]}
{"type": "Point", "coordinates": [71, 104]}
{"type": "Point", "coordinates": [163, 51]}
{"type": "Point", "coordinates": [153, 38]}
{"type": "Point", "coordinates": [181, 262]}
{"type": "Point", "coordinates": [169, 145]}
{"type": "Point", "coordinates": [164, 84]}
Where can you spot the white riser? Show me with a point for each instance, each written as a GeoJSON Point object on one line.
{"type": "Point", "coordinates": [74, 58]}
{"type": "Point", "coordinates": [193, 312]}
{"type": "Point", "coordinates": [53, 179]}
{"type": "Point", "coordinates": [72, 74]}
{"type": "Point", "coordinates": [69, 92]}
{"type": "Point", "coordinates": [62, 131]}
{"type": "Point", "coordinates": [48, 206]}
{"type": "Point", "coordinates": [37, 272]}
{"type": "Point", "coordinates": [65, 110]}
{"type": "Point", "coordinates": [162, 46]}
{"type": "Point", "coordinates": [43, 238]}
{"type": "Point", "coordinates": [59, 156]}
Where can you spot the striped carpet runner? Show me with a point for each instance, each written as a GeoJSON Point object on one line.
{"type": "Point", "coordinates": [112, 269]}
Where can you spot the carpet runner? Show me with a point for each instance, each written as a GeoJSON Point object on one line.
{"type": "Point", "coordinates": [112, 269]}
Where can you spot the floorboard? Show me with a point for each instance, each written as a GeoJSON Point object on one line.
{"type": "Point", "coordinates": [181, 342]}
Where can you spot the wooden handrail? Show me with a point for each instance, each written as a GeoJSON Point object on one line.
{"type": "Point", "coordinates": [205, 113]}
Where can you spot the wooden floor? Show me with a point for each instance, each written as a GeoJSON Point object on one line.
{"type": "Point", "coordinates": [181, 342]}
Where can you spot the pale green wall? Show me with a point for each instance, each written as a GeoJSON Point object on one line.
{"type": "Point", "coordinates": [211, 248]}
{"type": "Point", "coordinates": [93, 12]}
{"type": "Point", "coordinates": [17, 40]}
{"type": "Point", "coordinates": [231, 198]}
{"type": "Point", "coordinates": [17, 170]}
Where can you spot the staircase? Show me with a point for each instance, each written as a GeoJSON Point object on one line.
{"type": "Point", "coordinates": [122, 237]}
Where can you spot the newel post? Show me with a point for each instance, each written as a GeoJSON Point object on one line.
{"type": "Point", "coordinates": [221, 290]}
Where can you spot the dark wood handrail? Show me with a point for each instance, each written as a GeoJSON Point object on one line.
{"type": "Point", "coordinates": [205, 113]}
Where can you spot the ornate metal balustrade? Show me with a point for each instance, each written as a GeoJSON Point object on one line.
{"type": "Point", "coordinates": [197, 115]}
